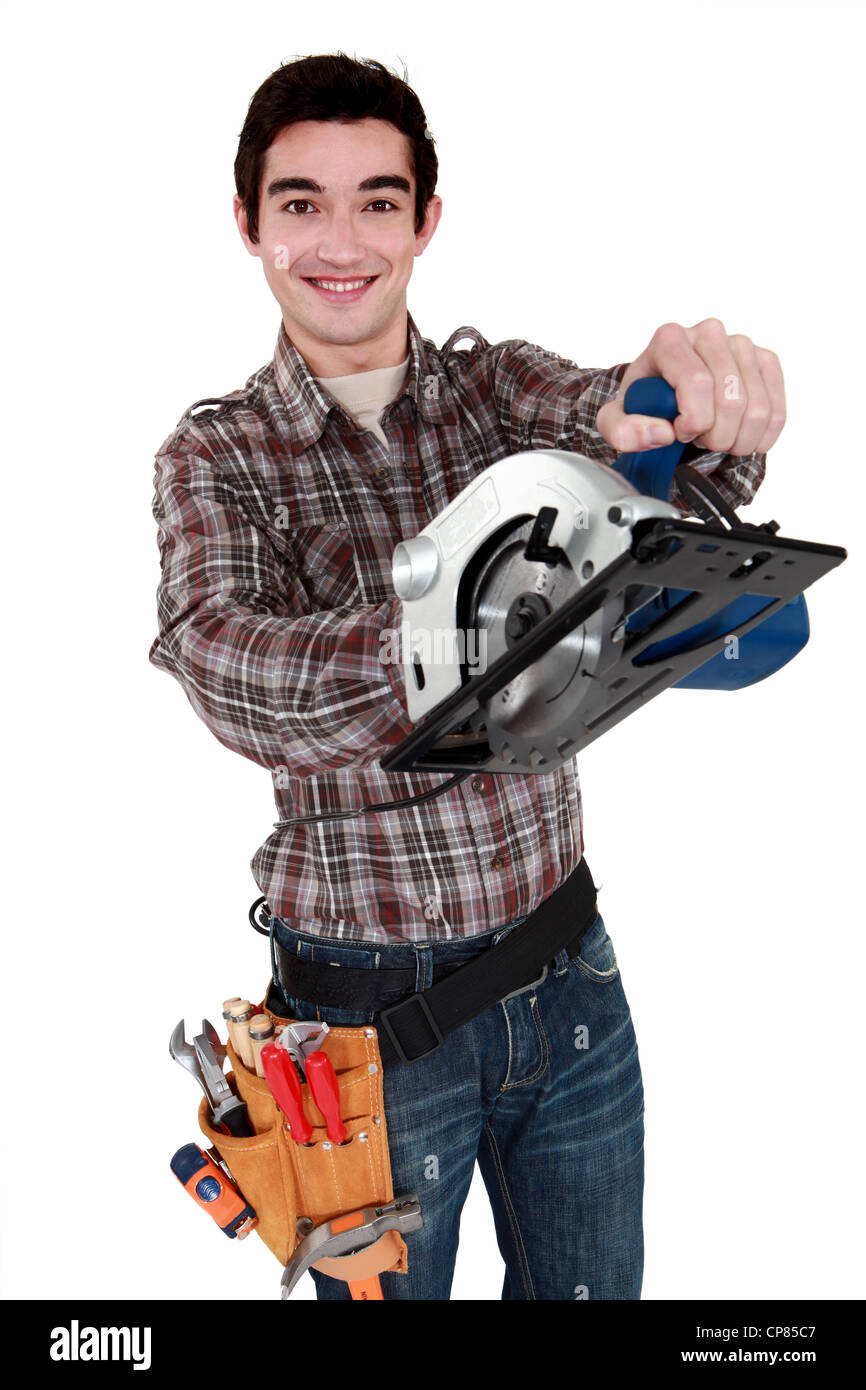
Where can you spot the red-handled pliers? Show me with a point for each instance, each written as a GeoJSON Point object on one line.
{"type": "Point", "coordinates": [285, 1085]}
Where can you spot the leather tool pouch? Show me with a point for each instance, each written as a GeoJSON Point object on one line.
{"type": "Point", "coordinates": [283, 1180]}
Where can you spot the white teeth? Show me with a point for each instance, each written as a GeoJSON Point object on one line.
{"type": "Point", "coordinates": [342, 286]}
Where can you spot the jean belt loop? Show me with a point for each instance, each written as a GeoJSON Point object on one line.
{"type": "Point", "coordinates": [561, 962]}
{"type": "Point", "coordinates": [423, 967]}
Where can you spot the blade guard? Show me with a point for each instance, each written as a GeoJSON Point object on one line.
{"type": "Point", "coordinates": [758, 653]}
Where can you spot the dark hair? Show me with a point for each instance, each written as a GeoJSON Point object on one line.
{"type": "Point", "coordinates": [332, 87]}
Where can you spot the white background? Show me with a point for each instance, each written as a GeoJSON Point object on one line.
{"type": "Point", "coordinates": [604, 169]}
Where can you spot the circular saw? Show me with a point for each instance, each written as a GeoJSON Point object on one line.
{"type": "Point", "coordinates": [555, 595]}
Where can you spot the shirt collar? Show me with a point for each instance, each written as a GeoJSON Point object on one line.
{"type": "Point", "coordinates": [309, 406]}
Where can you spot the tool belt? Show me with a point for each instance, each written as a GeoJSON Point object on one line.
{"type": "Point", "coordinates": [412, 1024]}
{"type": "Point", "coordinates": [316, 1182]}
{"type": "Point", "coordinates": [319, 1189]}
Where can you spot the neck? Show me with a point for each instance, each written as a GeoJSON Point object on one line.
{"type": "Point", "coordinates": [387, 349]}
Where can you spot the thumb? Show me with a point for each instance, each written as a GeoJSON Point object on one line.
{"type": "Point", "coordinates": [632, 433]}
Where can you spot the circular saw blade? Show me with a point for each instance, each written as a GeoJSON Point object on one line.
{"type": "Point", "coordinates": [532, 720]}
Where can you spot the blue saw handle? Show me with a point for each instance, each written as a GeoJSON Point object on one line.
{"type": "Point", "coordinates": [761, 652]}
{"type": "Point", "coordinates": [652, 470]}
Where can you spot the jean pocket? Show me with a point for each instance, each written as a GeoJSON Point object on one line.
{"type": "Point", "coordinates": [597, 960]}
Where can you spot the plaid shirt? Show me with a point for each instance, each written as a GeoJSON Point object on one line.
{"type": "Point", "coordinates": [277, 520]}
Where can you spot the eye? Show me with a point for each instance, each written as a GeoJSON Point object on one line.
{"type": "Point", "coordinates": [382, 203]}
{"type": "Point", "coordinates": [293, 205]}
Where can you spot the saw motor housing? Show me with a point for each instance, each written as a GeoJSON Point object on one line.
{"type": "Point", "coordinates": [523, 538]}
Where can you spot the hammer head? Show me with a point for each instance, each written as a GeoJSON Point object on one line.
{"type": "Point", "coordinates": [350, 1234]}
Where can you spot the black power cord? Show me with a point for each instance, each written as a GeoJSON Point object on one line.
{"type": "Point", "coordinates": [377, 805]}
{"type": "Point", "coordinates": [260, 913]}
{"type": "Point", "coordinates": [705, 499]}
{"type": "Point", "coordinates": [264, 918]}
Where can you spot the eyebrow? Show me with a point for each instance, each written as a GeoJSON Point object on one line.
{"type": "Point", "coordinates": [302, 185]}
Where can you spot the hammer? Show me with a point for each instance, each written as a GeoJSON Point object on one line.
{"type": "Point", "coordinates": [355, 1246]}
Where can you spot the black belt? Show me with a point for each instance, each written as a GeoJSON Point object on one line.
{"type": "Point", "coordinates": [412, 1027]}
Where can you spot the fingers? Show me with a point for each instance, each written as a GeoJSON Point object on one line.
{"type": "Point", "coordinates": [730, 393]}
{"type": "Point", "coordinates": [746, 382]}
{"type": "Point", "coordinates": [675, 358]}
{"type": "Point", "coordinates": [774, 383]}
{"type": "Point", "coordinates": [629, 433]}
{"type": "Point", "coordinates": [707, 379]}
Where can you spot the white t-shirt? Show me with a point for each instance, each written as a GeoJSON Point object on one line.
{"type": "Point", "coordinates": [365, 394]}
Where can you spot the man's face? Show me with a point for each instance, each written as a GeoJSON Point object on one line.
{"type": "Point", "coordinates": [337, 239]}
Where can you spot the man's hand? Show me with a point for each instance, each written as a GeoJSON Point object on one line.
{"type": "Point", "coordinates": [731, 394]}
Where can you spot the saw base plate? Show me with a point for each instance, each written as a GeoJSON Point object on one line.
{"type": "Point", "coordinates": [715, 564]}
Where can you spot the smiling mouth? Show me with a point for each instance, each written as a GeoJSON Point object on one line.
{"type": "Point", "coordinates": [341, 286]}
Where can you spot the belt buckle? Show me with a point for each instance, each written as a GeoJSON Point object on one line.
{"type": "Point", "coordinates": [383, 1019]}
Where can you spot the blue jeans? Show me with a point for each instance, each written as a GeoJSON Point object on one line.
{"type": "Point", "coordinates": [544, 1091]}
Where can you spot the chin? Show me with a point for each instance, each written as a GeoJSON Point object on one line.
{"type": "Point", "coordinates": [342, 334]}
{"type": "Point", "coordinates": [356, 331]}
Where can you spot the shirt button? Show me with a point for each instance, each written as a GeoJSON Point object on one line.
{"type": "Point", "coordinates": [497, 862]}
{"type": "Point", "coordinates": [380, 472]}
{"type": "Point", "coordinates": [478, 784]}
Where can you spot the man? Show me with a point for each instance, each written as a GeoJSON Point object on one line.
{"type": "Point", "coordinates": [279, 507]}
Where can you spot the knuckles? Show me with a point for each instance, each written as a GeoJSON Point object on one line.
{"type": "Point", "coordinates": [741, 342]}
{"type": "Point", "coordinates": [669, 334]}
{"type": "Point", "coordinates": [711, 328]}
{"type": "Point", "coordinates": [768, 358]}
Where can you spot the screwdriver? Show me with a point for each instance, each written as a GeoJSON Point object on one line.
{"type": "Point", "coordinates": [285, 1085]}
{"type": "Point", "coordinates": [241, 1013]}
{"type": "Point", "coordinates": [325, 1089]}
{"type": "Point", "coordinates": [261, 1029]}
{"type": "Point", "coordinates": [228, 1005]}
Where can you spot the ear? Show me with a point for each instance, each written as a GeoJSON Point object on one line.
{"type": "Point", "coordinates": [431, 222]}
{"type": "Point", "coordinates": [241, 219]}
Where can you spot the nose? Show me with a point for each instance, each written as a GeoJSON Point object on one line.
{"type": "Point", "coordinates": [339, 243]}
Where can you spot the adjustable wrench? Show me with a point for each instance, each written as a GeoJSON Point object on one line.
{"type": "Point", "coordinates": [203, 1059]}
